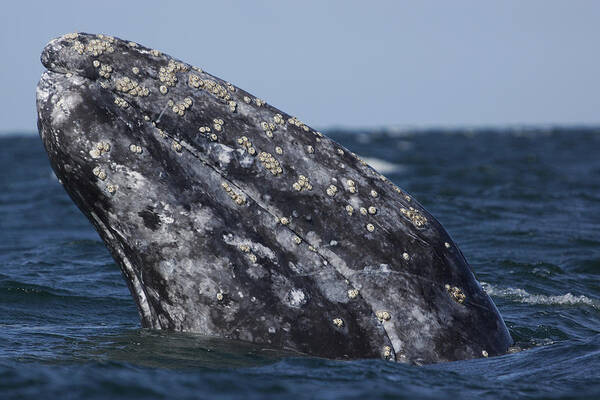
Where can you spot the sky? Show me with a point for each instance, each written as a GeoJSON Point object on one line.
{"type": "Point", "coordinates": [345, 63]}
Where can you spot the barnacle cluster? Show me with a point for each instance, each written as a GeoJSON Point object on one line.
{"type": "Point", "coordinates": [414, 215]}
{"type": "Point", "coordinates": [456, 293]}
{"type": "Point", "coordinates": [302, 184]}
{"type": "Point", "coordinates": [236, 197]}
{"type": "Point", "coordinates": [131, 87]}
{"type": "Point", "coordinates": [270, 163]}
{"type": "Point", "coordinates": [247, 144]}
{"type": "Point", "coordinates": [168, 74]}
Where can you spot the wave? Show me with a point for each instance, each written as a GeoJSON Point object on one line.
{"type": "Point", "coordinates": [382, 166]}
{"type": "Point", "coordinates": [524, 296]}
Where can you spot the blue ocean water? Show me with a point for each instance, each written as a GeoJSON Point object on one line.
{"type": "Point", "coordinates": [522, 204]}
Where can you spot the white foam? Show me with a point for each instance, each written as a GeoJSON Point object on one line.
{"type": "Point", "coordinates": [382, 166]}
{"type": "Point", "coordinates": [524, 296]}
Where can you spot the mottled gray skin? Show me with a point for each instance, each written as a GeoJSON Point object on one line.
{"type": "Point", "coordinates": [261, 261]}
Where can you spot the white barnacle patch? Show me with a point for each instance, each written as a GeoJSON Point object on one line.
{"type": "Point", "coordinates": [73, 35]}
{"type": "Point", "coordinates": [349, 209]}
{"type": "Point", "coordinates": [194, 80]}
{"type": "Point", "coordinates": [135, 70]}
{"type": "Point", "coordinates": [387, 352]}
{"type": "Point", "coordinates": [99, 149]}
{"type": "Point", "coordinates": [220, 296]}
{"type": "Point", "coordinates": [456, 293]}
{"type": "Point", "coordinates": [131, 87]}
{"type": "Point", "coordinates": [247, 144]}
{"type": "Point", "coordinates": [351, 186]}
{"type": "Point", "coordinates": [232, 106]}
{"type": "Point", "coordinates": [372, 210]}
{"type": "Point", "coordinates": [352, 293]}
{"type": "Point", "coordinates": [218, 124]}
{"type": "Point", "coordinates": [296, 122]}
{"type": "Point", "coordinates": [95, 153]}
{"type": "Point", "coordinates": [110, 188]}
{"type": "Point", "coordinates": [251, 249]}
{"type": "Point", "coordinates": [180, 107]}
{"type": "Point", "coordinates": [310, 149]}
{"type": "Point", "coordinates": [96, 47]}
{"type": "Point", "coordinates": [363, 211]}
{"type": "Point", "coordinates": [338, 322]}
{"type": "Point", "coordinates": [134, 148]}
{"type": "Point", "coordinates": [340, 152]}
{"type": "Point", "coordinates": [278, 150]}
{"type": "Point", "coordinates": [210, 86]}
{"type": "Point", "coordinates": [405, 256]}
{"type": "Point", "coordinates": [259, 102]}
{"type": "Point", "coordinates": [96, 63]}
{"type": "Point", "coordinates": [484, 353]}
{"type": "Point", "coordinates": [302, 184]}
{"type": "Point", "coordinates": [168, 74]}
{"type": "Point", "coordinates": [296, 298]}
{"type": "Point", "coordinates": [99, 172]}
{"type": "Point", "coordinates": [447, 245]}
{"type": "Point", "coordinates": [247, 100]}
{"type": "Point", "coordinates": [297, 239]}
{"type": "Point", "coordinates": [105, 70]}
{"type": "Point", "coordinates": [155, 53]}
{"type": "Point", "coordinates": [270, 163]}
{"type": "Point", "coordinates": [414, 216]}
{"type": "Point", "coordinates": [163, 89]}
{"type": "Point", "coordinates": [78, 47]}
{"type": "Point", "coordinates": [383, 315]}
{"type": "Point", "coordinates": [284, 220]}
{"type": "Point", "coordinates": [278, 119]}
{"type": "Point", "coordinates": [238, 198]}
{"type": "Point", "coordinates": [121, 103]}
{"type": "Point", "coordinates": [370, 227]}
{"type": "Point", "coordinates": [331, 190]}
{"type": "Point", "coordinates": [176, 146]}
{"type": "Point", "coordinates": [268, 127]}
{"type": "Point", "coordinates": [374, 193]}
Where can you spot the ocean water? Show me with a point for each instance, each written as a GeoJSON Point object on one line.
{"type": "Point", "coordinates": [522, 204]}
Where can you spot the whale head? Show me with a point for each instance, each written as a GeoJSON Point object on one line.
{"type": "Point", "coordinates": [231, 218]}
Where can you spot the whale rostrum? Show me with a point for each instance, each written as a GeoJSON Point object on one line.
{"type": "Point", "coordinates": [233, 219]}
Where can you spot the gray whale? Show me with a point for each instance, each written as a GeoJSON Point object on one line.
{"type": "Point", "coordinates": [233, 219]}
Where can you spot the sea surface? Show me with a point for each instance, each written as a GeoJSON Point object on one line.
{"type": "Point", "coordinates": [523, 204]}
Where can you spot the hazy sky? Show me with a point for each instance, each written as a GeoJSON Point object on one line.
{"type": "Point", "coordinates": [349, 63]}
